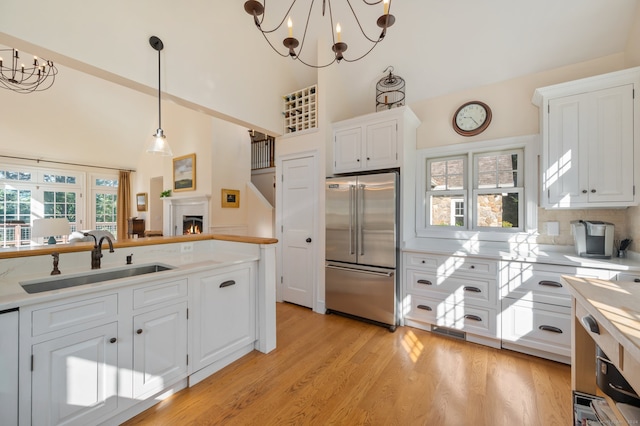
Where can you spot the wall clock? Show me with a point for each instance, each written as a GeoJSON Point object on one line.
{"type": "Point", "coordinates": [472, 118]}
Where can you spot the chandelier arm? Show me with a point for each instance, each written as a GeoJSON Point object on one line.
{"type": "Point", "coordinates": [316, 66]}
{"type": "Point", "coordinates": [368, 51]}
{"type": "Point", "coordinates": [306, 27]}
{"type": "Point", "coordinates": [284, 55]}
{"type": "Point", "coordinates": [38, 76]}
{"type": "Point", "coordinates": [373, 2]}
{"type": "Point", "coordinates": [360, 26]}
{"type": "Point", "coordinates": [284, 18]}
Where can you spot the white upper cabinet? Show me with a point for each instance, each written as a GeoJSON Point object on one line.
{"type": "Point", "coordinates": [590, 141]}
{"type": "Point", "coordinates": [374, 141]}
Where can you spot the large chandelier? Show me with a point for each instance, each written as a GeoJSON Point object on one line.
{"type": "Point", "coordinates": [295, 47]}
{"type": "Point", "coordinates": [38, 75]}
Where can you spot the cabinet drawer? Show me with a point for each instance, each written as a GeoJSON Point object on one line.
{"type": "Point", "coordinates": [537, 325]}
{"type": "Point", "coordinates": [602, 338]}
{"type": "Point", "coordinates": [155, 293]}
{"type": "Point", "coordinates": [95, 311]}
{"type": "Point", "coordinates": [446, 265]}
{"type": "Point", "coordinates": [458, 316]}
{"type": "Point", "coordinates": [458, 288]}
{"type": "Point", "coordinates": [626, 276]}
{"type": "Point", "coordinates": [541, 283]}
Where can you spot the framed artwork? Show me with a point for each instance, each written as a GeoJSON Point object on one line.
{"type": "Point", "coordinates": [231, 198]}
{"type": "Point", "coordinates": [184, 173]}
{"type": "Point", "coordinates": [141, 201]}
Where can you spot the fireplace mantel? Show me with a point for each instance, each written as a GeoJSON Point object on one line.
{"type": "Point", "coordinates": [174, 208]}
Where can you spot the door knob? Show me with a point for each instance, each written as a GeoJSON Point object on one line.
{"type": "Point", "coordinates": [308, 240]}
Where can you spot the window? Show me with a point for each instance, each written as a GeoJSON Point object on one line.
{"type": "Point", "coordinates": [105, 196]}
{"type": "Point", "coordinates": [15, 216]}
{"type": "Point", "coordinates": [498, 189]}
{"type": "Point", "coordinates": [478, 189]}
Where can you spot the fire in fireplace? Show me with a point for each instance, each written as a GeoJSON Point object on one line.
{"type": "Point", "coordinates": [191, 224]}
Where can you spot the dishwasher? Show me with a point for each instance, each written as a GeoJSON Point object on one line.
{"type": "Point", "coordinates": [9, 366]}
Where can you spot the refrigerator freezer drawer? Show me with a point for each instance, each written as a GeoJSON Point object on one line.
{"type": "Point", "coordinates": [366, 293]}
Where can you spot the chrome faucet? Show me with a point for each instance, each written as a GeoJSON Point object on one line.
{"type": "Point", "coordinates": [96, 253]}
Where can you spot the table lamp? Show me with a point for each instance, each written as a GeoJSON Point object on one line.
{"type": "Point", "coordinates": [50, 228]}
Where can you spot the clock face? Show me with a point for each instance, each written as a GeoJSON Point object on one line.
{"type": "Point", "coordinates": [472, 118]}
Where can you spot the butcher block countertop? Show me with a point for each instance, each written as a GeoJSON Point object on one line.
{"type": "Point", "coordinates": [130, 242]}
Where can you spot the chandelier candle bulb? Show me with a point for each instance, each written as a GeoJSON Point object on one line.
{"type": "Point", "coordinates": [290, 25]}
{"type": "Point", "coordinates": [386, 6]}
{"type": "Point", "coordinates": [339, 32]}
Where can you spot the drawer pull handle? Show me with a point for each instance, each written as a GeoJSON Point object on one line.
{"type": "Point", "coordinates": [591, 324]}
{"type": "Point", "coordinates": [227, 283]}
{"type": "Point", "coordinates": [550, 328]}
{"type": "Point", "coordinates": [424, 307]}
{"type": "Point", "coordinates": [113, 340]}
{"type": "Point", "coordinates": [549, 283]}
{"type": "Point", "coordinates": [473, 317]}
{"type": "Point", "coordinates": [472, 289]}
{"type": "Point", "coordinates": [426, 282]}
{"type": "Point", "coordinates": [139, 331]}
{"type": "Point", "coordinates": [636, 280]}
{"type": "Point", "coordinates": [622, 390]}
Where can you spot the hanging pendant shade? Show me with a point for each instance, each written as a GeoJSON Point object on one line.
{"type": "Point", "coordinates": [158, 144]}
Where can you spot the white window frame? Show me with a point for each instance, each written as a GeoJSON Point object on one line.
{"type": "Point", "coordinates": [453, 193]}
{"type": "Point", "coordinates": [96, 189]}
{"type": "Point", "coordinates": [528, 203]}
{"type": "Point", "coordinates": [477, 191]}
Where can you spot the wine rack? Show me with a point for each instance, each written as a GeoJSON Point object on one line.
{"type": "Point", "coordinates": [300, 110]}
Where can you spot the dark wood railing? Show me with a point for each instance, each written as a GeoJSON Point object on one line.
{"type": "Point", "coordinates": [263, 153]}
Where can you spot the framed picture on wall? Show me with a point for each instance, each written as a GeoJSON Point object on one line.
{"type": "Point", "coordinates": [141, 201]}
{"type": "Point", "coordinates": [184, 173]}
{"type": "Point", "coordinates": [231, 198]}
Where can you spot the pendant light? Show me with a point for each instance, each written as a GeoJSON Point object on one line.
{"type": "Point", "coordinates": [158, 144]}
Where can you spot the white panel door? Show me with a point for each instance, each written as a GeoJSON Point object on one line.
{"type": "Point", "coordinates": [75, 377]}
{"type": "Point", "coordinates": [159, 348]}
{"type": "Point", "coordinates": [298, 218]}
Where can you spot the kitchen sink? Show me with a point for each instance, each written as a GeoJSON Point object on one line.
{"type": "Point", "coordinates": [48, 284]}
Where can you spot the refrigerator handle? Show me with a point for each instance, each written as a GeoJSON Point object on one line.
{"type": "Point", "coordinates": [361, 219]}
{"type": "Point", "coordinates": [351, 218]}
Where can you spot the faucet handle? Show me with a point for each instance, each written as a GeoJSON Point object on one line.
{"type": "Point", "coordinates": [129, 259]}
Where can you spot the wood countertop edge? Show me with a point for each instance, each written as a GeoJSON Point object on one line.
{"type": "Point", "coordinates": [631, 344]}
{"type": "Point", "coordinates": [130, 242]}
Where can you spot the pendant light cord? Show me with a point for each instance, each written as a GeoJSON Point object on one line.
{"type": "Point", "coordinates": [159, 94]}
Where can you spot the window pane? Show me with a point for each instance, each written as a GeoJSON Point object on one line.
{"type": "Point", "coordinates": [447, 210]}
{"type": "Point", "coordinates": [507, 179]}
{"type": "Point", "coordinates": [446, 174]}
{"type": "Point", "coordinates": [498, 210]}
{"type": "Point", "coordinates": [487, 163]}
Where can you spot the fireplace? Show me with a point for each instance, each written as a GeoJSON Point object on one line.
{"type": "Point", "coordinates": [191, 225]}
{"type": "Point", "coordinates": [188, 215]}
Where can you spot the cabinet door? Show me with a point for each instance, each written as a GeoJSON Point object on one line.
{"type": "Point", "coordinates": [159, 348]}
{"type": "Point", "coordinates": [610, 177]}
{"type": "Point", "coordinates": [381, 145]}
{"type": "Point", "coordinates": [348, 150]}
{"type": "Point", "coordinates": [75, 377]}
{"type": "Point", "coordinates": [223, 315]}
{"type": "Point", "coordinates": [565, 179]}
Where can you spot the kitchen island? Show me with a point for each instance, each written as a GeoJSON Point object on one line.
{"type": "Point", "coordinates": [105, 351]}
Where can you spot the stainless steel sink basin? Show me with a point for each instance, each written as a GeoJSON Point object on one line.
{"type": "Point", "coordinates": [48, 284]}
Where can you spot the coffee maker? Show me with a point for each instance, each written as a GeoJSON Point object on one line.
{"type": "Point", "coordinates": [593, 238]}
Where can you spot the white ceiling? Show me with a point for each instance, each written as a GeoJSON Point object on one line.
{"type": "Point", "coordinates": [215, 58]}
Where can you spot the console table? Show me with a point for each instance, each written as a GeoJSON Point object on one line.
{"type": "Point", "coordinates": [606, 313]}
{"type": "Point", "coordinates": [136, 227]}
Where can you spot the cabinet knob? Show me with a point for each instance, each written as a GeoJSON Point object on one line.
{"type": "Point", "coordinates": [472, 266]}
{"type": "Point", "coordinates": [368, 158]}
{"type": "Point", "coordinates": [593, 191]}
{"type": "Point", "coordinates": [139, 331]}
{"type": "Point", "coordinates": [584, 191]}
{"type": "Point", "coordinates": [358, 160]}
{"type": "Point", "coordinates": [308, 240]}
{"type": "Point", "coordinates": [636, 280]}
{"type": "Point", "coordinates": [113, 340]}
{"type": "Point", "coordinates": [424, 261]}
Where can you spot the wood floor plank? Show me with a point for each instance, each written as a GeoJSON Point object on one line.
{"type": "Point", "coordinates": [332, 370]}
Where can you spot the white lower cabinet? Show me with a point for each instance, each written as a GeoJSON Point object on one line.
{"type": "Point", "coordinates": [75, 377]}
{"type": "Point", "coordinates": [452, 295]}
{"type": "Point", "coordinates": [224, 314]}
{"type": "Point", "coordinates": [159, 348]}
{"type": "Point", "coordinates": [536, 307]}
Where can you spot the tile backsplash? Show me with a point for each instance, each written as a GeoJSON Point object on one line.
{"type": "Point", "coordinates": [626, 221]}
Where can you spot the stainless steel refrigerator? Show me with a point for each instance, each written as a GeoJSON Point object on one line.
{"type": "Point", "coordinates": [361, 246]}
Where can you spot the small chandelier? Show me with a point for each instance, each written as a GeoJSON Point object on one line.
{"type": "Point", "coordinates": [258, 11]}
{"type": "Point", "coordinates": [37, 76]}
{"type": "Point", "coordinates": [158, 144]}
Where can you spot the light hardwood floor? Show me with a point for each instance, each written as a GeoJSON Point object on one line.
{"type": "Point", "coordinates": [333, 370]}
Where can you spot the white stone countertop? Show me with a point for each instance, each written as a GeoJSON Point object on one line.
{"type": "Point", "coordinates": [521, 252]}
{"type": "Point", "coordinates": [204, 257]}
